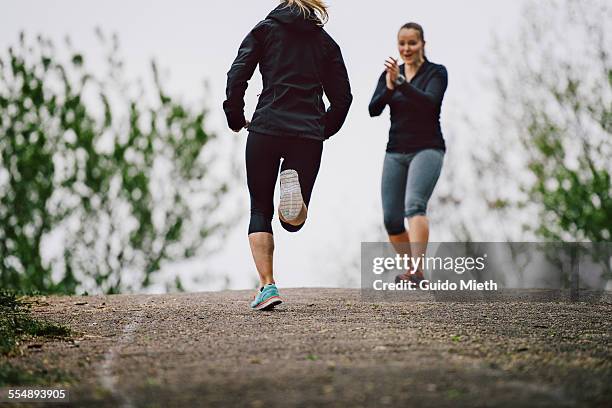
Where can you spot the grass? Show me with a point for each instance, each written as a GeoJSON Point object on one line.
{"type": "Point", "coordinates": [17, 325]}
{"type": "Point", "coordinates": [454, 393]}
{"type": "Point", "coordinates": [11, 375]}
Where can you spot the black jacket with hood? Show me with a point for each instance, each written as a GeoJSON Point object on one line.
{"type": "Point", "coordinates": [298, 61]}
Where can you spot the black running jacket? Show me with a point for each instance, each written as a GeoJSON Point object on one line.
{"type": "Point", "coordinates": [298, 61]}
{"type": "Point", "coordinates": [415, 109]}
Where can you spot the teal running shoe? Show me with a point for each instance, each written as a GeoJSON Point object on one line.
{"type": "Point", "coordinates": [266, 298]}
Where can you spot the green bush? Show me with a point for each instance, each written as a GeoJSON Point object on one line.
{"type": "Point", "coordinates": [118, 173]}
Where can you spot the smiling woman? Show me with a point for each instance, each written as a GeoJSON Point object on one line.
{"type": "Point", "coordinates": [415, 151]}
{"type": "Point", "coordinates": [411, 45]}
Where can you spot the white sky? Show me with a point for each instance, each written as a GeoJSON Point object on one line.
{"type": "Point", "coordinates": [198, 40]}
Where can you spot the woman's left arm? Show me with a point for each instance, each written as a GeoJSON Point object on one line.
{"type": "Point", "coordinates": [239, 74]}
{"type": "Point", "coordinates": [431, 97]}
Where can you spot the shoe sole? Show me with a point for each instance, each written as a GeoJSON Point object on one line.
{"type": "Point", "coordinates": [269, 303]}
{"type": "Point", "coordinates": [291, 200]}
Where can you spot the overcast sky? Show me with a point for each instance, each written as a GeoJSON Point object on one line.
{"type": "Point", "coordinates": [197, 40]}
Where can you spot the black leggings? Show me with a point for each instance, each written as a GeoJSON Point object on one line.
{"type": "Point", "coordinates": [263, 158]}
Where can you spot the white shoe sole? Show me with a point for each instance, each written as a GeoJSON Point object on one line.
{"type": "Point", "coordinates": [291, 200]}
{"type": "Point", "coordinates": [269, 303]}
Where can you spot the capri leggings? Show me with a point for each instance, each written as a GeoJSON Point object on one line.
{"type": "Point", "coordinates": [263, 159]}
{"type": "Point", "coordinates": [408, 181]}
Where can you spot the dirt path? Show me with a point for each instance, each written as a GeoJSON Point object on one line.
{"type": "Point", "coordinates": [326, 347]}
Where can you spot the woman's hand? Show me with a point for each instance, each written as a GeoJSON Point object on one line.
{"type": "Point", "coordinates": [246, 126]}
{"type": "Point", "coordinates": [392, 72]}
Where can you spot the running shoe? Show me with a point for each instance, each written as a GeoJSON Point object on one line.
{"type": "Point", "coordinates": [291, 200]}
{"type": "Point", "coordinates": [417, 278]}
{"type": "Point", "coordinates": [414, 278]}
{"type": "Point", "coordinates": [266, 298]}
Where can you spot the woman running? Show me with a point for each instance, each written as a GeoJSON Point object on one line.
{"type": "Point", "coordinates": [298, 61]}
{"type": "Point", "coordinates": [415, 151]}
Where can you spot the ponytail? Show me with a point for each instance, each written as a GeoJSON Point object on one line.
{"type": "Point", "coordinates": [315, 8]}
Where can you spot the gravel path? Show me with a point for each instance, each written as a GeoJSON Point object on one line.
{"type": "Point", "coordinates": [327, 347]}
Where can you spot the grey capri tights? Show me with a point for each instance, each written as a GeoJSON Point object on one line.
{"type": "Point", "coordinates": [408, 181]}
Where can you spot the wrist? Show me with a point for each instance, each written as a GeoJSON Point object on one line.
{"type": "Point", "coordinates": [399, 80]}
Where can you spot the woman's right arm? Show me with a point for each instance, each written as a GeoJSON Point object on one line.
{"type": "Point", "coordinates": [239, 74]}
{"type": "Point", "coordinates": [381, 97]}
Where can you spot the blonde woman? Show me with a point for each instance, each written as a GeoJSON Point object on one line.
{"type": "Point", "coordinates": [413, 91]}
{"type": "Point", "coordinates": [298, 62]}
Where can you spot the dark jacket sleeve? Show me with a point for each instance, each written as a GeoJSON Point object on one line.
{"type": "Point", "coordinates": [381, 97]}
{"type": "Point", "coordinates": [431, 98]}
{"type": "Point", "coordinates": [336, 86]}
{"type": "Point", "coordinates": [239, 74]}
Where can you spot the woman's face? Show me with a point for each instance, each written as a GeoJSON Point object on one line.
{"type": "Point", "coordinates": [410, 46]}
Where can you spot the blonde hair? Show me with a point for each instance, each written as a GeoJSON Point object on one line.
{"type": "Point", "coordinates": [315, 8]}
